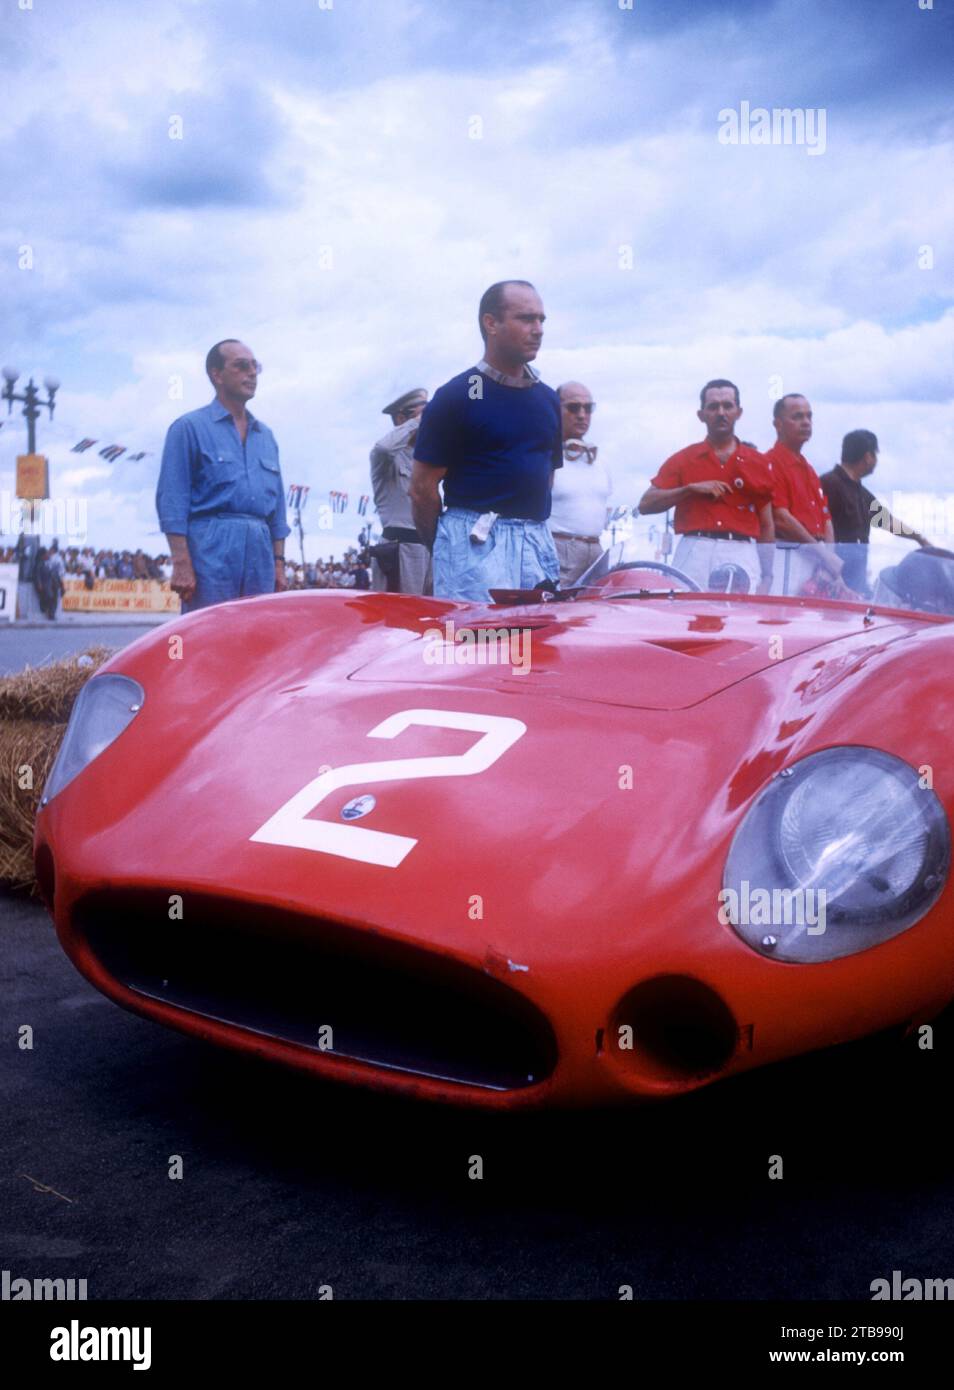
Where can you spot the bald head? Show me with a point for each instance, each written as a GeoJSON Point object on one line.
{"type": "Point", "coordinates": [577, 408]}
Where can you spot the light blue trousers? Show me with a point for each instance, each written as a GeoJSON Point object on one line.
{"type": "Point", "coordinates": [516, 555]}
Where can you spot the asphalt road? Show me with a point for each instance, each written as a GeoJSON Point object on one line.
{"type": "Point", "coordinates": [35, 646]}
{"type": "Point", "coordinates": [290, 1184]}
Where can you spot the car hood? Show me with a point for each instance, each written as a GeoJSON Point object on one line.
{"type": "Point", "coordinates": [571, 820]}
{"type": "Point", "coordinates": [658, 654]}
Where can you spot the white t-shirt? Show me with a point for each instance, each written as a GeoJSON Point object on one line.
{"type": "Point", "coordinates": [581, 491]}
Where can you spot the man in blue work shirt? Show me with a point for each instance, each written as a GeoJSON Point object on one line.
{"type": "Point", "coordinates": [220, 497]}
{"type": "Point", "coordinates": [493, 435]}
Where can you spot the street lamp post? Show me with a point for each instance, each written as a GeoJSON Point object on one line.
{"type": "Point", "coordinates": [32, 408]}
{"type": "Point", "coordinates": [32, 405]}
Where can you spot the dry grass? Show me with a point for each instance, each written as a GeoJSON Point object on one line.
{"type": "Point", "coordinates": [46, 693]}
{"type": "Point", "coordinates": [34, 708]}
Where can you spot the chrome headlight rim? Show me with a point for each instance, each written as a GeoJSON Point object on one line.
{"type": "Point", "coordinates": [104, 708]}
{"type": "Point", "coordinates": [853, 920]}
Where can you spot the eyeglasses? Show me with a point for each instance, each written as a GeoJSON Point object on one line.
{"type": "Point", "coordinates": [577, 406]}
{"type": "Point", "coordinates": [243, 364]}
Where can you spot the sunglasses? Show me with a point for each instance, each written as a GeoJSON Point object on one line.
{"type": "Point", "coordinates": [243, 364]}
{"type": "Point", "coordinates": [578, 406]}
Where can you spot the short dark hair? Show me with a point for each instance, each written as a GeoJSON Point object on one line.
{"type": "Point", "coordinates": [214, 358]}
{"type": "Point", "coordinates": [856, 444]}
{"type": "Point", "coordinates": [492, 301]}
{"type": "Point", "coordinates": [779, 405]}
{"type": "Point", "coordinates": [718, 381]}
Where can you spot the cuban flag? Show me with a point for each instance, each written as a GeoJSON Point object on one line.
{"type": "Point", "coordinates": [82, 446]}
{"type": "Point", "coordinates": [363, 501]}
{"type": "Point", "coordinates": [134, 458]}
{"type": "Point", "coordinates": [112, 452]}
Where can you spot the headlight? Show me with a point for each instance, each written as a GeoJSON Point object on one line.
{"type": "Point", "coordinates": [103, 708]}
{"type": "Point", "coordinates": [841, 852]}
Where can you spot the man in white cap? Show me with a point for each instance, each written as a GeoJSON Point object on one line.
{"type": "Point", "coordinates": [400, 563]}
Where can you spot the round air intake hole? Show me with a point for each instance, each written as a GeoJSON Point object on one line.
{"type": "Point", "coordinates": [681, 1029]}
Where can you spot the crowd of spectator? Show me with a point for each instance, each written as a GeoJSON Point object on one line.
{"type": "Point", "coordinates": [105, 564]}
{"type": "Point", "coordinates": [351, 572]}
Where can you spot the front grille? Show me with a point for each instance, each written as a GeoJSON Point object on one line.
{"type": "Point", "coordinates": [290, 977]}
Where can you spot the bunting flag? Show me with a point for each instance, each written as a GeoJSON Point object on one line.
{"type": "Point", "coordinates": [363, 501]}
{"type": "Point", "coordinates": [134, 458]}
{"type": "Point", "coordinates": [298, 496]}
{"type": "Point", "coordinates": [112, 452]}
{"type": "Point", "coordinates": [339, 501]}
{"type": "Point", "coordinates": [82, 446]}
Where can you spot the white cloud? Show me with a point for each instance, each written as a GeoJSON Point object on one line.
{"type": "Point", "coordinates": [746, 262]}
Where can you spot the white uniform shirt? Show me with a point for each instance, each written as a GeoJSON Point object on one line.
{"type": "Point", "coordinates": [392, 459]}
{"type": "Point", "coordinates": [581, 491]}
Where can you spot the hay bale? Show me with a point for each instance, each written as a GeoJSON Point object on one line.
{"type": "Point", "coordinates": [46, 693]}
{"type": "Point", "coordinates": [27, 750]}
{"type": "Point", "coordinates": [34, 707]}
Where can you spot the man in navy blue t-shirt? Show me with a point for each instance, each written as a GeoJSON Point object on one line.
{"type": "Point", "coordinates": [493, 435]}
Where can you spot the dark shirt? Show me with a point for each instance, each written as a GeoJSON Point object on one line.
{"type": "Point", "coordinates": [498, 450]}
{"type": "Point", "coordinates": [851, 505]}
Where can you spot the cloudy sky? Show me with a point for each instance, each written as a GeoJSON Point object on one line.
{"type": "Point", "coordinates": [353, 173]}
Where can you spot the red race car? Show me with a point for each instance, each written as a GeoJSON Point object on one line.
{"type": "Point", "coordinates": [612, 845]}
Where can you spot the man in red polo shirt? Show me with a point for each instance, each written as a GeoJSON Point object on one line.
{"type": "Point", "coordinates": [802, 518]}
{"type": "Point", "coordinates": [722, 492]}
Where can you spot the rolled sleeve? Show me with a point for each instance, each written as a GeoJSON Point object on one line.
{"type": "Point", "coordinates": [173, 491]}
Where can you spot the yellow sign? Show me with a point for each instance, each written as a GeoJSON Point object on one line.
{"type": "Point", "coordinates": [118, 596]}
{"type": "Point", "coordinates": [33, 476]}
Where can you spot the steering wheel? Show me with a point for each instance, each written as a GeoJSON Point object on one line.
{"type": "Point", "coordinates": [659, 568]}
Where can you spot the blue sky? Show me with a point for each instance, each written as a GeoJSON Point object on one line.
{"type": "Point", "coordinates": [347, 132]}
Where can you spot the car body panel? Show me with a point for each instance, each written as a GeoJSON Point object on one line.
{"type": "Point", "coordinates": [583, 862]}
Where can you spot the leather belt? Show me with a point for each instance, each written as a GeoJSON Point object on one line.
{"type": "Point", "coordinates": [230, 516]}
{"type": "Point", "coordinates": [569, 536]}
{"type": "Point", "coordinates": [401, 533]}
{"type": "Point", "coordinates": [721, 536]}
